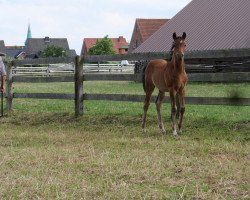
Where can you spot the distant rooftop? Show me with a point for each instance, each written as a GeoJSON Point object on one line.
{"type": "Point", "coordinates": [209, 24]}
{"type": "Point", "coordinates": [143, 29]}
{"type": "Point", "coordinates": [36, 45]}
{"type": "Point", "coordinates": [14, 51]}
{"type": "Point", "coordinates": [149, 26]}
{"type": "Point", "coordinates": [118, 43]}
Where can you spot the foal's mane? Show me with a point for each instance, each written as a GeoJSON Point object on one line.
{"type": "Point", "coordinates": [171, 52]}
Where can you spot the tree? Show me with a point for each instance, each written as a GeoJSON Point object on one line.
{"type": "Point", "coordinates": [103, 46]}
{"type": "Point", "coordinates": [54, 51]}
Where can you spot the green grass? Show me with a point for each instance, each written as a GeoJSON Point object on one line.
{"type": "Point", "coordinates": [47, 153]}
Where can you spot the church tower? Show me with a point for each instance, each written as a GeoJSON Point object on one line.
{"type": "Point", "coordinates": [28, 34]}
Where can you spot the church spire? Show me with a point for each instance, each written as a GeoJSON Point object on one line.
{"type": "Point", "coordinates": [28, 34]}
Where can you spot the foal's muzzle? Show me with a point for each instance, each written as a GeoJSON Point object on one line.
{"type": "Point", "coordinates": [180, 55]}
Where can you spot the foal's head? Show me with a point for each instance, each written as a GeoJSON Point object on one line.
{"type": "Point", "coordinates": [179, 45]}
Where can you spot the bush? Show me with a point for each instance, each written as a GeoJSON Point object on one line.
{"type": "Point", "coordinates": [54, 51]}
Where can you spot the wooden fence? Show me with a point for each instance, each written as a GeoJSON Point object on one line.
{"type": "Point", "coordinates": [87, 68]}
{"type": "Point", "coordinates": [79, 96]}
{"type": "Point", "coordinates": [108, 68]}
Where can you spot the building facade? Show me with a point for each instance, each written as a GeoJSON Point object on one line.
{"type": "Point", "coordinates": [120, 45]}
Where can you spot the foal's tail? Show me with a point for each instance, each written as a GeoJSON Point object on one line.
{"type": "Point", "coordinates": [145, 65]}
{"type": "Point", "coordinates": [143, 77]}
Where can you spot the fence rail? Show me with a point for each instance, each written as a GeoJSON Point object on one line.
{"type": "Point", "coordinates": [201, 57]}
{"type": "Point", "coordinates": [88, 68]}
{"type": "Point", "coordinates": [43, 61]}
{"type": "Point", "coordinates": [197, 77]}
{"type": "Point", "coordinates": [188, 100]}
{"type": "Point", "coordinates": [44, 96]}
{"type": "Point", "coordinates": [92, 68]}
{"type": "Point", "coordinates": [79, 78]}
{"type": "Point", "coordinates": [39, 71]}
{"type": "Point", "coordinates": [136, 98]}
{"type": "Point", "coordinates": [40, 79]}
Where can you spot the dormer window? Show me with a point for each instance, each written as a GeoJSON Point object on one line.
{"type": "Point", "coordinates": [46, 40]}
{"type": "Point", "coordinates": [136, 43]}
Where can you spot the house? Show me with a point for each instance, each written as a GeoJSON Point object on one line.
{"type": "Point", "coordinates": [17, 52]}
{"type": "Point", "coordinates": [209, 24]}
{"type": "Point", "coordinates": [143, 29]}
{"type": "Point", "coordinates": [72, 53]}
{"type": "Point", "coordinates": [2, 47]}
{"type": "Point", "coordinates": [35, 46]}
{"type": "Point", "coordinates": [120, 45]}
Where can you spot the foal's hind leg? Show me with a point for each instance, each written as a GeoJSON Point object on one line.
{"type": "Point", "coordinates": [158, 104]}
{"type": "Point", "coordinates": [146, 105]}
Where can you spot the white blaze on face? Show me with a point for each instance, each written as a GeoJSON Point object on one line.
{"type": "Point", "coordinates": [182, 42]}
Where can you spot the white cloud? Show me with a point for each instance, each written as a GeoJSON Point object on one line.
{"type": "Point", "coordinates": [77, 19]}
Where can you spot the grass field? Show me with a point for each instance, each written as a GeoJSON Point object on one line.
{"type": "Point", "coordinates": [47, 153]}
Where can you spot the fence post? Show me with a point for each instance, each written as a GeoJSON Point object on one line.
{"type": "Point", "coordinates": [47, 71]}
{"type": "Point", "coordinates": [9, 92]}
{"type": "Point", "coordinates": [78, 87]}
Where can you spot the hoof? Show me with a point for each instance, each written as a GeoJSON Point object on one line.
{"type": "Point", "coordinates": [162, 131]}
{"type": "Point", "coordinates": [143, 130]}
{"type": "Point", "coordinates": [175, 134]}
{"type": "Point", "coordinates": [177, 137]}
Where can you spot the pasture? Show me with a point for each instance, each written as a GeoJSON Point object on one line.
{"type": "Point", "coordinates": [47, 153]}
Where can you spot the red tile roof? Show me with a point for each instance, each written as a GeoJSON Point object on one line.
{"type": "Point", "coordinates": [118, 43]}
{"type": "Point", "coordinates": [148, 27]}
{"type": "Point", "coordinates": [143, 29]}
{"type": "Point", "coordinates": [89, 42]}
{"type": "Point", "coordinates": [209, 24]}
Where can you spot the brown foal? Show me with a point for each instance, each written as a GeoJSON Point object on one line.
{"type": "Point", "coordinates": [167, 77]}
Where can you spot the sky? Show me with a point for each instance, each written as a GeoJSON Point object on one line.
{"type": "Point", "coordinates": [78, 19]}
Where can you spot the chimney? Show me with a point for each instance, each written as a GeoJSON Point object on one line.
{"type": "Point", "coordinates": [120, 38]}
{"type": "Point", "coordinates": [46, 40]}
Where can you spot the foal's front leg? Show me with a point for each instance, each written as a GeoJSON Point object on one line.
{"type": "Point", "coordinates": [158, 104]}
{"type": "Point", "coordinates": [182, 108]}
{"type": "Point", "coordinates": [173, 112]}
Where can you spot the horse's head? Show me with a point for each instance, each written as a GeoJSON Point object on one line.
{"type": "Point", "coordinates": [179, 45]}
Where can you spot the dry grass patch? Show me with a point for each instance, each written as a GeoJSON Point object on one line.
{"type": "Point", "coordinates": [98, 156]}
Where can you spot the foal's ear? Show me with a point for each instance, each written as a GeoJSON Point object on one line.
{"type": "Point", "coordinates": [184, 35]}
{"type": "Point", "coordinates": [174, 35]}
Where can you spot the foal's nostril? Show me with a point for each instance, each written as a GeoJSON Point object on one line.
{"type": "Point", "coordinates": [180, 55]}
